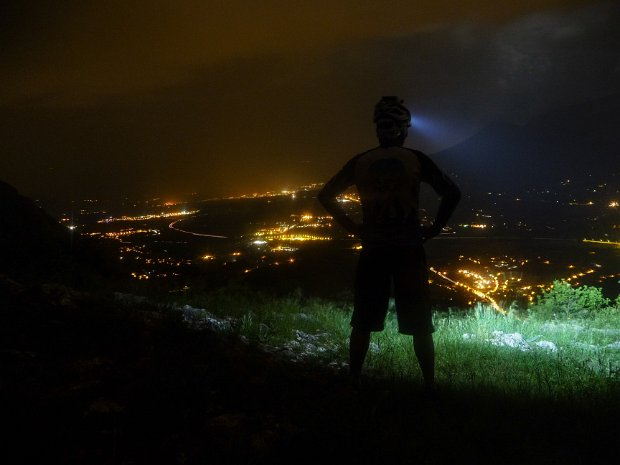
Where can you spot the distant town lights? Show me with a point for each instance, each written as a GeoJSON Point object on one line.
{"type": "Point", "coordinates": [148, 217]}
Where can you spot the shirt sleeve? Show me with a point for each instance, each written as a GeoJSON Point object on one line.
{"type": "Point", "coordinates": [341, 181]}
{"type": "Point", "coordinates": [333, 188]}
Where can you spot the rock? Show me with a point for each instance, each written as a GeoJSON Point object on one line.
{"type": "Point", "coordinates": [547, 345]}
{"type": "Point", "coordinates": [514, 340]}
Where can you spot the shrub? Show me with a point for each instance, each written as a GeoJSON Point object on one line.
{"type": "Point", "coordinates": [564, 301]}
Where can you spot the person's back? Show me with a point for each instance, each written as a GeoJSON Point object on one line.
{"type": "Point", "coordinates": [388, 181]}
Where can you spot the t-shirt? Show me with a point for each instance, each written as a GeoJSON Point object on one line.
{"type": "Point", "coordinates": [388, 182]}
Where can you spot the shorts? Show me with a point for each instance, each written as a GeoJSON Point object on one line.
{"type": "Point", "coordinates": [377, 269]}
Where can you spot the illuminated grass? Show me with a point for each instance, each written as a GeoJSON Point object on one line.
{"type": "Point", "coordinates": [563, 360]}
{"type": "Point", "coordinates": [577, 366]}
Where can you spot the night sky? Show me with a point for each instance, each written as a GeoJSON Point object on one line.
{"type": "Point", "coordinates": [151, 98]}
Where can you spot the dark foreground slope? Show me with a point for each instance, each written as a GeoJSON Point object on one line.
{"type": "Point", "coordinates": [99, 381]}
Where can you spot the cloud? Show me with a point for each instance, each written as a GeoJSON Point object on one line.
{"type": "Point", "coordinates": [76, 52]}
{"type": "Point", "coordinates": [558, 56]}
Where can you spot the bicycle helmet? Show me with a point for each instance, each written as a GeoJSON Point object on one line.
{"type": "Point", "coordinates": [391, 107]}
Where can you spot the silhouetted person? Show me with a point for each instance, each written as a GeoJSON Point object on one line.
{"type": "Point", "coordinates": [388, 180]}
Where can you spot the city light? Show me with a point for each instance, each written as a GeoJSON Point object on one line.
{"type": "Point", "coordinates": [149, 217]}
{"type": "Point", "coordinates": [495, 278]}
{"type": "Point", "coordinates": [476, 292]}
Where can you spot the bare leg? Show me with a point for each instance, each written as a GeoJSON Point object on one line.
{"type": "Point", "coordinates": [358, 348]}
{"type": "Point", "coordinates": [424, 348]}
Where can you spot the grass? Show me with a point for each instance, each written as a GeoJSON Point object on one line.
{"type": "Point", "coordinates": [476, 349]}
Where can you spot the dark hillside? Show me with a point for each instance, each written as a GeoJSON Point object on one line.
{"type": "Point", "coordinates": [35, 248]}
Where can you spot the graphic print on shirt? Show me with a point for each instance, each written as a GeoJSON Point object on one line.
{"type": "Point", "coordinates": [390, 201]}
